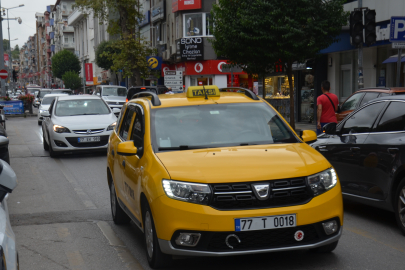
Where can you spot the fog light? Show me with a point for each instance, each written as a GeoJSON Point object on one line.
{"type": "Point", "coordinates": [188, 239]}
{"type": "Point", "coordinates": [330, 227]}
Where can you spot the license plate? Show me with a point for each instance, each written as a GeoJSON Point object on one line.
{"type": "Point", "coordinates": [88, 139]}
{"type": "Point", "coordinates": [265, 223]}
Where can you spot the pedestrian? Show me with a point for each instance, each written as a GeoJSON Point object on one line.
{"type": "Point", "coordinates": [169, 90]}
{"type": "Point", "coordinates": [327, 104]}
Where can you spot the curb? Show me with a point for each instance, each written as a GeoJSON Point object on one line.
{"type": "Point", "coordinates": [20, 115]}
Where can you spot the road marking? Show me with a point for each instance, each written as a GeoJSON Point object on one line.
{"type": "Point", "coordinates": [75, 260]}
{"type": "Point", "coordinates": [367, 235]}
{"type": "Point", "coordinates": [119, 246]}
{"type": "Point", "coordinates": [79, 191]}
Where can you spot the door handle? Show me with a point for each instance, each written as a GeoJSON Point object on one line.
{"type": "Point", "coordinates": [123, 163]}
{"type": "Point", "coordinates": [393, 150]}
{"type": "Point", "coordinates": [355, 149]}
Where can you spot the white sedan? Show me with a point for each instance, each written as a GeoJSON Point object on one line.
{"type": "Point", "coordinates": [77, 123]}
{"type": "Point", "coordinates": [44, 106]}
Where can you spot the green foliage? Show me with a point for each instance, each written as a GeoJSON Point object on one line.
{"type": "Point", "coordinates": [16, 53]}
{"type": "Point", "coordinates": [65, 61]}
{"type": "Point", "coordinates": [129, 51]}
{"type": "Point", "coordinates": [254, 34]}
{"type": "Point", "coordinates": [103, 52]}
{"type": "Point", "coordinates": [72, 80]}
{"type": "Point", "coordinates": [6, 45]}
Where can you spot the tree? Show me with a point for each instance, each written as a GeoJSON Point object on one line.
{"type": "Point", "coordinates": [103, 51]}
{"type": "Point", "coordinates": [129, 50]}
{"type": "Point", "coordinates": [72, 80]}
{"type": "Point", "coordinates": [16, 53]}
{"type": "Point", "coordinates": [65, 61]}
{"type": "Point", "coordinates": [6, 44]}
{"type": "Point", "coordinates": [255, 34]}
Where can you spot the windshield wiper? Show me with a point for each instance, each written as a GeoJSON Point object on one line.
{"type": "Point", "coordinates": [180, 147]}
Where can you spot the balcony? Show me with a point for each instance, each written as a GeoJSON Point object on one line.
{"type": "Point", "coordinates": [68, 29]}
{"type": "Point", "coordinates": [69, 45]}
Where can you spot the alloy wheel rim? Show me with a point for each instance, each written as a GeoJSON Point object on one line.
{"type": "Point", "coordinates": [401, 206]}
{"type": "Point", "coordinates": [113, 205]}
{"type": "Point", "coordinates": [149, 234]}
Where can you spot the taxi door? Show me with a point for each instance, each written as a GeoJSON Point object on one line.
{"type": "Point", "coordinates": [134, 165]}
{"type": "Point", "coordinates": [119, 163]}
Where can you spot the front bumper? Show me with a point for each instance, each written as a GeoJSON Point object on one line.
{"type": "Point", "coordinates": [67, 142]}
{"type": "Point", "coordinates": [168, 248]}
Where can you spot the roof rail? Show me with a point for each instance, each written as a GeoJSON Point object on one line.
{"type": "Point", "coordinates": [155, 98]}
{"type": "Point", "coordinates": [247, 92]}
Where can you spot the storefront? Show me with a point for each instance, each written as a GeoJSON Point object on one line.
{"type": "Point", "coordinates": [277, 93]}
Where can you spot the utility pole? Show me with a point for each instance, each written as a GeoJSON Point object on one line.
{"type": "Point", "coordinates": [3, 82]}
{"type": "Point", "coordinates": [360, 55]}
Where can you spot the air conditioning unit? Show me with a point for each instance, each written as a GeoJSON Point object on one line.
{"type": "Point", "coordinates": [172, 49]}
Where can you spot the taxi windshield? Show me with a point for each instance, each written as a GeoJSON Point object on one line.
{"type": "Point", "coordinates": [218, 125]}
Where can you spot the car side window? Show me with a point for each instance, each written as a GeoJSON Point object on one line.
{"type": "Point", "coordinates": [352, 102]}
{"type": "Point", "coordinates": [51, 106]}
{"type": "Point", "coordinates": [138, 129]}
{"type": "Point", "coordinates": [363, 120]}
{"type": "Point", "coordinates": [126, 123]}
{"type": "Point", "coordinates": [369, 96]}
{"type": "Point", "coordinates": [393, 118]}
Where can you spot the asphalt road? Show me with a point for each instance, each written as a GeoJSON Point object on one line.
{"type": "Point", "coordinates": [60, 214]}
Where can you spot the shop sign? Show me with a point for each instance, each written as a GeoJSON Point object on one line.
{"type": "Point", "coordinates": [191, 49]}
{"type": "Point", "coordinates": [174, 79]}
{"type": "Point", "coordinates": [158, 12]}
{"type": "Point", "coordinates": [398, 45]}
{"type": "Point", "coordinates": [208, 67]}
{"type": "Point", "coordinates": [299, 66]}
{"type": "Point", "coordinates": [154, 62]}
{"type": "Point", "coordinates": [226, 68]}
{"type": "Point", "coordinates": [146, 19]}
{"type": "Point", "coordinates": [185, 5]}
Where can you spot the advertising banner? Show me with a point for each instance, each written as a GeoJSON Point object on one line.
{"type": "Point", "coordinates": [192, 49]}
{"type": "Point", "coordinates": [185, 5]}
{"type": "Point", "coordinates": [89, 73]}
{"type": "Point", "coordinates": [154, 62]}
{"type": "Point", "coordinates": [13, 107]}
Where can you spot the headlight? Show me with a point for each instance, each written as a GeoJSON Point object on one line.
{"type": "Point", "coordinates": [60, 129]}
{"type": "Point", "coordinates": [112, 126]}
{"type": "Point", "coordinates": [41, 111]}
{"type": "Point", "coordinates": [323, 181]}
{"type": "Point", "coordinates": [188, 192]}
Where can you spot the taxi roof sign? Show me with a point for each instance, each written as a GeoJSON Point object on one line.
{"type": "Point", "coordinates": [199, 91]}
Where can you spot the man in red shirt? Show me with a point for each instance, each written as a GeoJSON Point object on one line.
{"type": "Point", "coordinates": [327, 104]}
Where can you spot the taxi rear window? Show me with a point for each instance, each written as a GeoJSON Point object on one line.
{"type": "Point", "coordinates": [218, 125]}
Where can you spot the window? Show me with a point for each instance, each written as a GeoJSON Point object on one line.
{"type": "Point", "coordinates": [126, 122]}
{"type": "Point", "coordinates": [352, 102]}
{"type": "Point", "coordinates": [66, 40]}
{"type": "Point", "coordinates": [138, 129]}
{"type": "Point", "coordinates": [393, 118]}
{"type": "Point", "coordinates": [384, 94]}
{"type": "Point", "coordinates": [164, 33]}
{"type": "Point", "coordinates": [363, 120]}
{"type": "Point", "coordinates": [197, 24]}
{"type": "Point", "coordinates": [369, 96]}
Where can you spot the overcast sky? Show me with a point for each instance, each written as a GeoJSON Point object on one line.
{"type": "Point", "coordinates": [27, 14]}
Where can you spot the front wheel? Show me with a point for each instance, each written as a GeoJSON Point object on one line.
{"type": "Point", "coordinates": [52, 153]}
{"type": "Point", "coordinates": [39, 123]}
{"type": "Point", "coordinates": [118, 214]}
{"type": "Point", "coordinates": [399, 205]}
{"type": "Point", "coordinates": [46, 145]}
{"type": "Point", "coordinates": [156, 258]}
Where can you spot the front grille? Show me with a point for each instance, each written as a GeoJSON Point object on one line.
{"type": "Point", "coordinates": [103, 141]}
{"type": "Point", "coordinates": [235, 196]}
{"type": "Point", "coordinates": [89, 131]}
{"type": "Point", "coordinates": [115, 103]}
{"type": "Point", "coordinates": [262, 239]}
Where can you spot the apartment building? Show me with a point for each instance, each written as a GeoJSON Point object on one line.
{"type": "Point", "coordinates": [63, 34]}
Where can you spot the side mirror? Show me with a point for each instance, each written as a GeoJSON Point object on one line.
{"type": "Point", "coordinates": [98, 94]}
{"type": "Point", "coordinates": [309, 136]}
{"type": "Point", "coordinates": [127, 149]}
{"type": "Point", "coordinates": [116, 110]}
{"type": "Point", "coordinates": [4, 141]}
{"type": "Point", "coordinates": [46, 114]}
{"type": "Point", "coordinates": [329, 128]}
{"type": "Point", "coordinates": [8, 179]}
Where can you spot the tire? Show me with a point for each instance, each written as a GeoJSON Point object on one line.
{"type": "Point", "coordinates": [325, 249]}
{"type": "Point", "coordinates": [46, 145]}
{"type": "Point", "coordinates": [399, 205]}
{"type": "Point", "coordinates": [39, 123]}
{"type": "Point", "coordinates": [52, 153]}
{"type": "Point", "coordinates": [156, 258]}
{"type": "Point", "coordinates": [118, 214]}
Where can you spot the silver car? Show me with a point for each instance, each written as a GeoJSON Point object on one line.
{"type": "Point", "coordinates": [44, 106]}
{"type": "Point", "coordinates": [114, 95]}
{"type": "Point", "coordinates": [8, 250]}
{"type": "Point", "coordinates": [77, 123]}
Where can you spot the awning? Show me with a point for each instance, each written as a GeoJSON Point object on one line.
{"type": "Point", "coordinates": [394, 59]}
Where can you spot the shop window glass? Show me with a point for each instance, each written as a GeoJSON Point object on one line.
{"type": "Point", "coordinates": [352, 102]}
{"type": "Point", "coordinates": [393, 118]}
{"type": "Point", "coordinates": [278, 86]}
{"type": "Point", "coordinates": [193, 25]}
{"type": "Point", "coordinates": [208, 25]}
{"type": "Point", "coordinates": [363, 120]}
{"type": "Point", "coordinates": [368, 97]}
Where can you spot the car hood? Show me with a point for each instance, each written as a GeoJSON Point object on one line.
{"type": "Point", "coordinates": [245, 163]}
{"type": "Point", "coordinates": [114, 98]}
{"type": "Point", "coordinates": [85, 121]}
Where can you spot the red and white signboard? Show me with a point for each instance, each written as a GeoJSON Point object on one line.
{"type": "Point", "coordinates": [89, 73]}
{"type": "Point", "coordinates": [185, 5]}
{"type": "Point", "coordinates": [6, 57]}
{"type": "Point", "coordinates": [3, 74]}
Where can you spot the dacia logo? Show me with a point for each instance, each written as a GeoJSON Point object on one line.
{"type": "Point", "coordinates": [153, 62]}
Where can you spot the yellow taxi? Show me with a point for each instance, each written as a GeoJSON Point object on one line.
{"type": "Point", "coordinates": [216, 173]}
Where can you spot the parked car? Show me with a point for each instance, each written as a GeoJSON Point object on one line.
{"type": "Point", "coordinates": [8, 249]}
{"type": "Point", "coordinates": [44, 106]}
{"type": "Point", "coordinates": [114, 96]}
{"type": "Point", "coordinates": [41, 94]}
{"type": "Point", "coordinates": [160, 89]}
{"type": "Point", "coordinates": [62, 91]}
{"type": "Point", "coordinates": [32, 88]}
{"type": "Point", "coordinates": [367, 150]}
{"type": "Point", "coordinates": [4, 142]}
{"type": "Point", "coordinates": [363, 96]}
{"type": "Point", "coordinates": [77, 123]}
{"type": "Point", "coordinates": [36, 102]}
